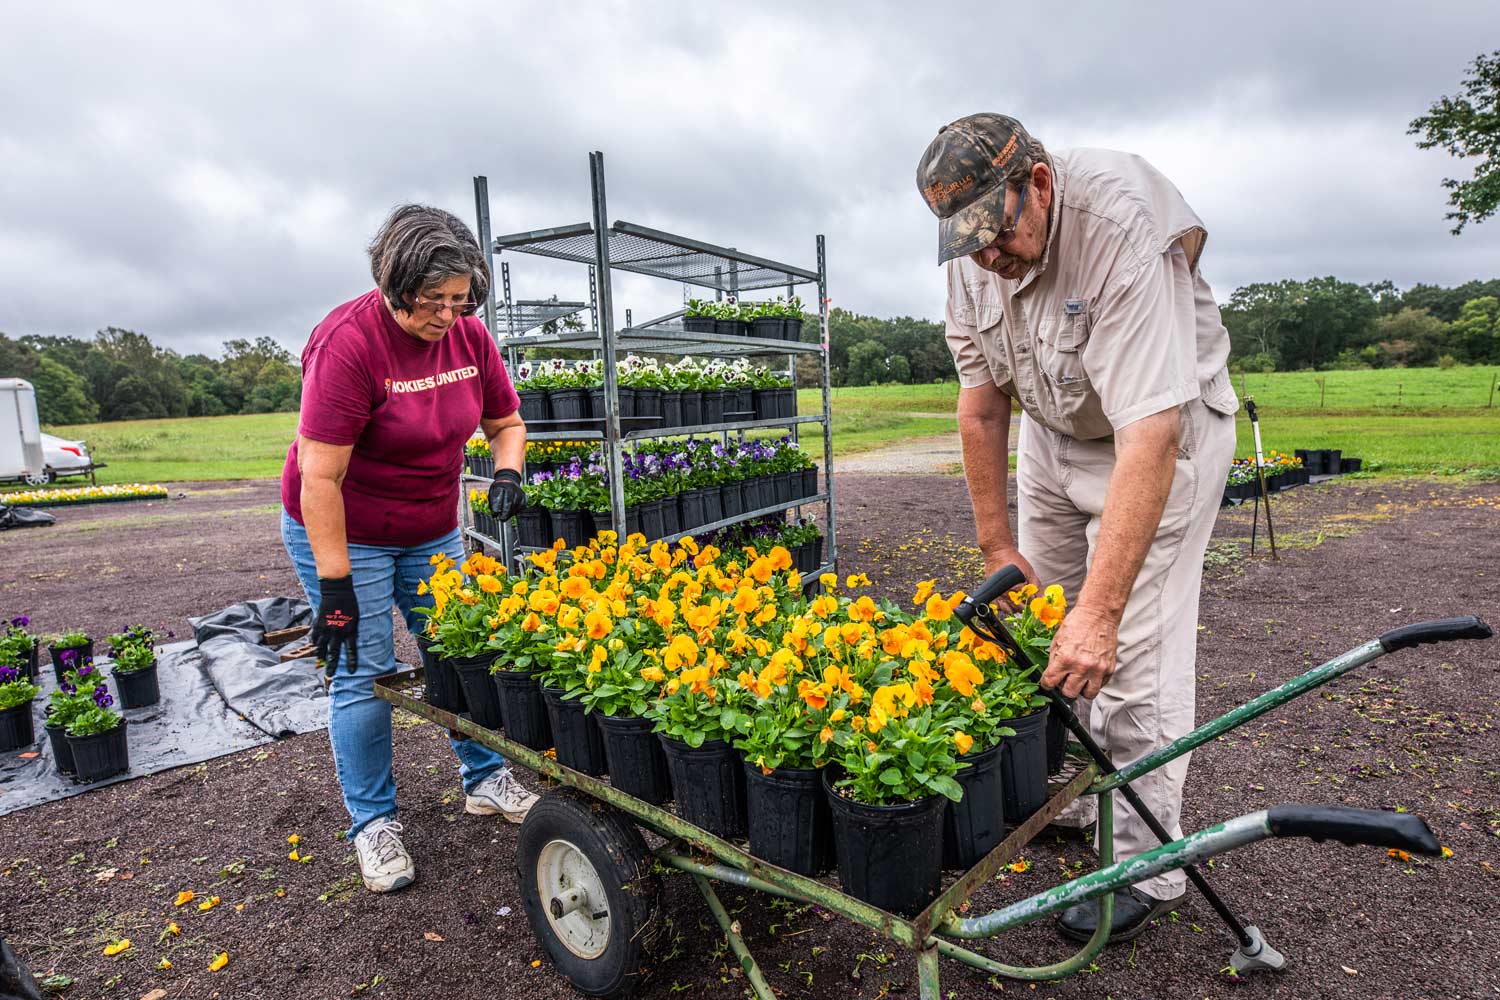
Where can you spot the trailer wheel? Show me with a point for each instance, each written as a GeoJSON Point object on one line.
{"type": "Point", "coordinates": [588, 891]}
{"type": "Point", "coordinates": [42, 478]}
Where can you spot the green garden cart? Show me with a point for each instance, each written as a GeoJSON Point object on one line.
{"type": "Point", "coordinates": [590, 889]}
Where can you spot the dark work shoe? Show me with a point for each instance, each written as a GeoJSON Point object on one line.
{"type": "Point", "coordinates": [1134, 911]}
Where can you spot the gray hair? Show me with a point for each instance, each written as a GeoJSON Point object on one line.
{"type": "Point", "coordinates": [419, 246]}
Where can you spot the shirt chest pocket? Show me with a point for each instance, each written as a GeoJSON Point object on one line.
{"type": "Point", "coordinates": [1061, 338]}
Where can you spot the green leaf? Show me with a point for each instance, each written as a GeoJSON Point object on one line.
{"type": "Point", "coordinates": [945, 786]}
{"type": "Point", "coordinates": [891, 776]}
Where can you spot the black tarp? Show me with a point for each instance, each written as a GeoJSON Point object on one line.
{"type": "Point", "coordinates": [220, 693]}
{"type": "Point", "coordinates": [23, 517]}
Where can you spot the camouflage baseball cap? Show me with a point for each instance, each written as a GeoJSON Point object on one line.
{"type": "Point", "coordinates": [963, 176]}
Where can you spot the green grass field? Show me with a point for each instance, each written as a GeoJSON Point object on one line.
{"type": "Point", "coordinates": [1443, 425]}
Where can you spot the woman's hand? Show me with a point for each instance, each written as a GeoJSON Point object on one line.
{"type": "Point", "coordinates": [507, 499]}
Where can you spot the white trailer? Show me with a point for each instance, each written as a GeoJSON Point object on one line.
{"type": "Point", "coordinates": [20, 431]}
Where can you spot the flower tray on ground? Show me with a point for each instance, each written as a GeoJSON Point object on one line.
{"type": "Point", "coordinates": [75, 496]}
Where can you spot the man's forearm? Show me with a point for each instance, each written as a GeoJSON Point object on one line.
{"type": "Point", "coordinates": [1145, 461]}
{"type": "Point", "coordinates": [986, 448]}
{"type": "Point", "coordinates": [323, 516]}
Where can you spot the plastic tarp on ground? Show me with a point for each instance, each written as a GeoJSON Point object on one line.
{"type": "Point", "coordinates": [220, 693]}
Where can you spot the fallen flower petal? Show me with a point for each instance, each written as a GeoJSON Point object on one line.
{"type": "Point", "coordinates": [164, 965]}
{"type": "Point", "coordinates": [536, 963]}
{"type": "Point", "coordinates": [1398, 854]}
{"type": "Point", "coordinates": [115, 947]}
{"type": "Point", "coordinates": [294, 839]}
{"type": "Point", "coordinates": [1019, 866]}
{"type": "Point", "coordinates": [1447, 852]}
{"type": "Point", "coordinates": [186, 896]}
{"type": "Point", "coordinates": [209, 903]}
{"type": "Point", "coordinates": [294, 856]}
{"type": "Point", "coordinates": [220, 960]}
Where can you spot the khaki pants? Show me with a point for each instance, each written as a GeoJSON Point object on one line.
{"type": "Point", "coordinates": [1149, 701]}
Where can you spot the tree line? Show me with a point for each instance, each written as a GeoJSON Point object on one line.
{"type": "Point", "coordinates": [121, 375]}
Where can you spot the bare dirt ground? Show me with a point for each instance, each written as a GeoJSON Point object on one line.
{"type": "Point", "coordinates": [1415, 731]}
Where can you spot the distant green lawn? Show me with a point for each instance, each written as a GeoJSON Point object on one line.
{"type": "Point", "coordinates": [1443, 425]}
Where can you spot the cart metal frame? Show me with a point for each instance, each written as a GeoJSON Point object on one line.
{"type": "Point", "coordinates": [930, 934]}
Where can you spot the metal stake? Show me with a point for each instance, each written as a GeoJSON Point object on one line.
{"type": "Point", "coordinates": [1260, 475]}
{"type": "Point", "coordinates": [607, 341]}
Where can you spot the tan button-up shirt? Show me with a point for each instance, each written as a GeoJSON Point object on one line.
{"type": "Point", "coordinates": [1114, 323]}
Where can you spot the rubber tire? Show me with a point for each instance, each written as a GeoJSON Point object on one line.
{"type": "Point", "coordinates": [618, 853]}
{"type": "Point", "coordinates": [46, 478]}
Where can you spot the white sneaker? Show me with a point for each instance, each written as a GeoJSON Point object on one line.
{"type": "Point", "coordinates": [500, 793]}
{"type": "Point", "coordinates": [383, 861]}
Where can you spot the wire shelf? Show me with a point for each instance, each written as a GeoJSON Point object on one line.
{"type": "Point", "coordinates": [661, 255]}
{"type": "Point", "coordinates": [525, 315]}
{"type": "Point", "coordinates": [662, 340]}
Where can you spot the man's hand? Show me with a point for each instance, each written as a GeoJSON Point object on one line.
{"type": "Point", "coordinates": [507, 499]}
{"type": "Point", "coordinates": [335, 630]}
{"type": "Point", "coordinates": [1083, 653]}
{"type": "Point", "coordinates": [1001, 558]}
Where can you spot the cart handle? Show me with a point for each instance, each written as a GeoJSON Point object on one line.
{"type": "Point", "coordinates": [1402, 831]}
{"type": "Point", "coordinates": [1437, 630]}
{"type": "Point", "coordinates": [1467, 627]}
{"type": "Point", "coordinates": [1352, 826]}
{"type": "Point", "coordinates": [1007, 577]}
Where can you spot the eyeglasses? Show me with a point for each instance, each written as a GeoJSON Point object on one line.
{"type": "Point", "coordinates": [465, 307]}
{"type": "Point", "coordinates": [1009, 233]}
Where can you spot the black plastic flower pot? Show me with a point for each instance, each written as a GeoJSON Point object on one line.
{"type": "Point", "coordinates": [713, 505]}
{"type": "Point", "coordinates": [787, 402]}
{"type": "Point", "coordinates": [731, 327]}
{"type": "Point", "coordinates": [809, 482]}
{"type": "Point", "coordinates": [637, 765]}
{"type": "Point", "coordinates": [1349, 465]}
{"type": "Point", "coordinates": [532, 525]}
{"type": "Point", "coordinates": [596, 403]}
{"type": "Point", "coordinates": [648, 402]}
{"type": "Point", "coordinates": [975, 824]}
{"type": "Point", "coordinates": [1024, 762]}
{"type": "Point", "coordinates": [671, 515]}
{"type": "Point", "coordinates": [575, 733]}
{"type": "Point", "coordinates": [62, 750]}
{"type": "Point", "coordinates": [630, 401]}
{"type": "Point", "coordinates": [817, 559]}
{"type": "Point", "coordinates": [713, 406]}
{"type": "Point", "coordinates": [792, 330]}
{"type": "Point", "coordinates": [802, 556]}
{"type": "Point", "coordinates": [1057, 743]}
{"type": "Point", "coordinates": [744, 403]}
{"type": "Point", "coordinates": [889, 856]}
{"type": "Point", "coordinates": [699, 324]}
{"type": "Point", "coordinates": [633, 523]}
{"type": "Point", "coordinates": [767, 327]}
{"type": "Point", "coordinates": [652, 521]}
{"type": "Point", "coordinates": [765, 491]}
{"type": "Point", "coordinates": [521, 708]}
{"type": "Point", "coordinates": [782, 484]}
{"type": "Point", "coordinates": [65, 658]}
{"type": "Point", "coordinates": [572, 526]}
{"type": "Point", "coordinates": [32, 663]}
{"type": "Point", "coordinates": [479, 693]}
{"type": "Point", "coordinates": [441, 687]}
{"type": "Point", "coordinates": [17, 728]}
{"type": "Point", "coordinates": [534, 404]}
{"type": "Point", "coordinates": [763, 402]}
{"type": "Point", "coordinates": [708, 784]}
{"type": "Point", "coordinates": [692, 407]}
{"type": "Point", "coordinates": [138, 688]}
{"type": "Point", "coordinates": [692, 509]}
{"type": "Point", "coordinates": [1334, 463]}
{"type": "Point", "coordinates": [671, 408]}
{"type": "Point", "coordinates": [567, 404]}
{"type": "Point", "coordinates": [731, 499]}
{"type": "Point", "coordinates": [787, 818]}
{"type": "Point", "coordinates": [481, 465]}
{"type": "Point", "coordinates": [102, 755]}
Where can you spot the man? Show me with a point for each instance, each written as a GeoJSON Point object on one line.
{"type": "Point", "coordinates": [1074, 290]}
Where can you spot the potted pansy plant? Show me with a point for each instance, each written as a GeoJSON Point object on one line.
{"type": "Point", "coordinates": [97, 738]}
{"type": "Point", "coordinates": [69, 651]}
{"type": "Point", "coordinates": [20, 646]}
{"type": "Point", "coordinates": [135, 668]}
{"type": "Point", "coordinates": [17, 727]}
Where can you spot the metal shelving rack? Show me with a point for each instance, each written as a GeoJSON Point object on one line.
{"type": "Point", "coordinates": [624, 246]}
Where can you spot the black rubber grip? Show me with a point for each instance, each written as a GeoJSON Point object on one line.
{"type": "Point", "coordinates": [1003, 579]}
{"type": "Point", "coordinates": [1437, 630]}
{"type": "Point", "coordinates": [1403, 831]}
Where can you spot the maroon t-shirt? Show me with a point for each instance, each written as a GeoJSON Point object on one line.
{"type": "Point", "coordinates": [407, 406]}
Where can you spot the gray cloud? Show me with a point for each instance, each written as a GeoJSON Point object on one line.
{"type": "Point", "coordinates": [214, 170]}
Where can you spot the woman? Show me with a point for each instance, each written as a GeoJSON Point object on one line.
{"type": "Point", "coordinates": [394, 383]}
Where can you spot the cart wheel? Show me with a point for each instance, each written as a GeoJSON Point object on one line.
{"type": "Point", "coordinates": [586, 885]}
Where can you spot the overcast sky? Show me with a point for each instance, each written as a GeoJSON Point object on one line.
{"type": "Point", "coordinates": [204, 171]}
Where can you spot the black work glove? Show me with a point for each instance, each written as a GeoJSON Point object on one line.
{"type": "Point", "coordinates": [336, 628]}
{"type": "Point", "coordinates": [507, 499]}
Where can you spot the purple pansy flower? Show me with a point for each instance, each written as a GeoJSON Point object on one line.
{"type": "Point", "coordinates": [20, 621]}
{"type": "Point", "coordinates": [102, 697]}
{"type": "Point", "coordinates": [8, 673]}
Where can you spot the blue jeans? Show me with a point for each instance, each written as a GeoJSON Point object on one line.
{"type": "Point", "coordinates": [359, 724]}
